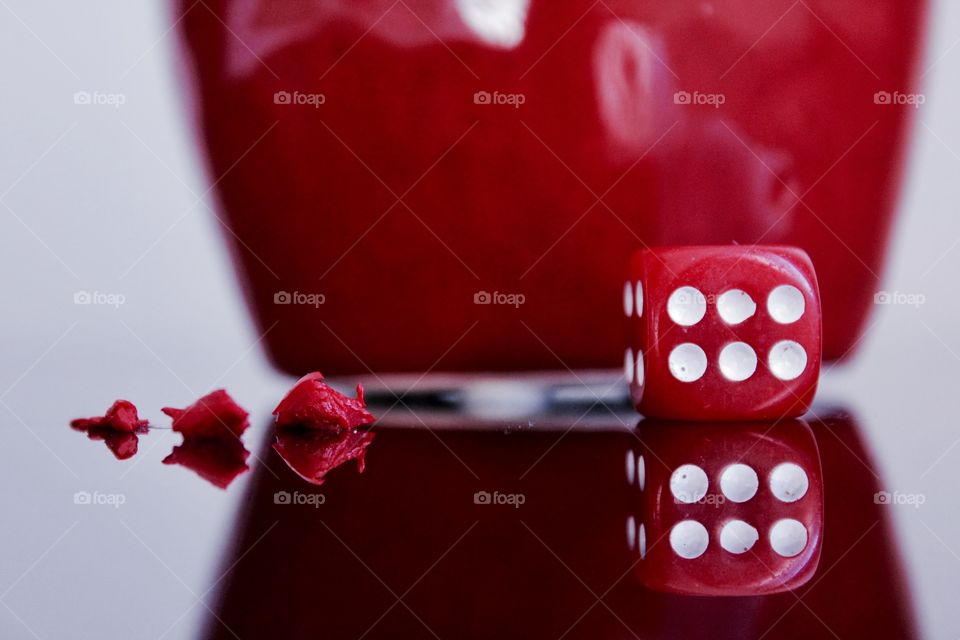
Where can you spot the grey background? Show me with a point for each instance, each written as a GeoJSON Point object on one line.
{"type": "Point", "coordinates": [112, 200]}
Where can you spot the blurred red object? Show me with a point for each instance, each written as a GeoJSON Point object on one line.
{"type": "Point", "coordinates": [312, 454]}
{"type": "Point", "coordinates": [216, 460]}
{"type": "Point", "coordinates": [464, 181]}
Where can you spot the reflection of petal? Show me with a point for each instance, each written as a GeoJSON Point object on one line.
{"type": "Point", "coordinates": [313, 454]}
{"type": "Point", "coordinates": [123, 444]}
{"type": "Point", "coordinates": [217, 460]}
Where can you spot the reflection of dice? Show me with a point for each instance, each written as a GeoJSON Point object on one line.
{"type": "Point", "coordinates": [722, 333]}
{"type": "Point", "coordinates": [727, 508]}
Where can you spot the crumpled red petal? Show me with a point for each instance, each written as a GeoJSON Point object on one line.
{"type": "Point", "coordinates": [122, 444]}
{"type": "Point", "coordinates": [215, 415]}
{"type": "Point", "coordinates": [313, 404]}
{"type": "Point", "coordinates": [121, 416]}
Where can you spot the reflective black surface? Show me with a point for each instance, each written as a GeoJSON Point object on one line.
{"type": "Point", "coordinates": [494, 530]}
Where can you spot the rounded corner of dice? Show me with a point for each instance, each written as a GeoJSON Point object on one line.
{"type": "Point", "coordinates": [722, 332]}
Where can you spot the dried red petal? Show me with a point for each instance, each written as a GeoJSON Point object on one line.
{"type": "Point", "coordinates": [121, 416]}
{"type": "Point", "coordinates": [313, 404]}
{"type": "Point", "coordinates": [217, 460]}
{"type": "Point", "coordinates": [312, 453]}
{"type": "Point", "coordinates": [215, 415]}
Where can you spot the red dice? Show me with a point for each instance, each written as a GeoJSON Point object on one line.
{"type": "Point", "coordinates": [727, 509]}
{"type": "Point", "coordinates": [722, 333]}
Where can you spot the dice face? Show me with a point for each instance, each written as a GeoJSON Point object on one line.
{"type": "Point", "coordinates": [726, 508]}
{"type": "Point", "coordinates": [722, 333]}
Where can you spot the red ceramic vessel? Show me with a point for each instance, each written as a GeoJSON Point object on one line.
{"type": "Point", "coordinates": [457, 185]}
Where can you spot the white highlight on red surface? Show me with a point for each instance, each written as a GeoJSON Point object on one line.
{"type": "Point", "coordinates": [788, 537]}
{"type": "Point", "coordinates": [641, 473]}
{"type": "Point", "coordinates": [738, 361]}
{"type": "Point", "coordinates": [739, 482]}
{"type": "Point", "coordinates": [631, 533]}
{"type": "Point", "coordinates": [627, 300]}
{"type": "Point", "coordinates": [642, 541]}
{"type": "Point", "coordinates": [689, 539]}
{"type": "Point", "coordinates": [687, 362]}
{"type": "Point", "coordinates": [639, 299]}
{"type": "Point", "coordinates": [738, 537]}
{"type": "Point", "coordinates": [785, 304]}
{"type": "Point", "coordinates": [501, 23]}
{"type": "Point", "coordinates": [638, 374]}
{"type": "Point", "coordinates": [625, 76]}
{"type": "Point", "coordinates": [689, 483]}
{"type": "Point", "coordinates": [631, 467]}
{"type": "Point", "coordinates": [787, 360]}
{"type": "Point", "coordinates": [628, 366]}
{"type": "Point", "coordinates": [686, 306]}
{"type": "Point", "coordinates": [788, 482]}
{"type": "Point", "coordinates": [735, 306]}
